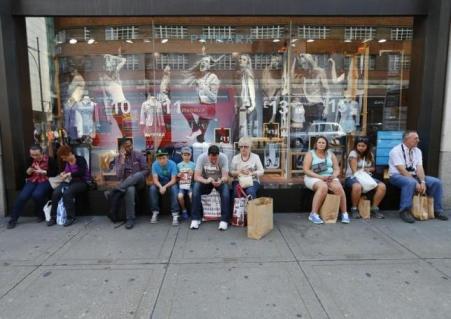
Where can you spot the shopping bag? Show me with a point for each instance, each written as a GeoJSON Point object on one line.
{"type": "Point", "coordinates": [61, 215]}
{"type": "Point", "coordinates": [420, 207]}
{"type": "Point", "coordinates": [185, 179]}
{"type": "Point", "coordinates": [245, 181]}
{"type": "Point", "coordinates": [365, 179]}
{"type": "Point", "coordinates": [211, 204]}
{"type": "Point", "coordinates": [431, 214]}
{"type": "Point", "coordinates": [47, 209]}
{"type": "Point", "coordinates": [329, 209]}
{"type": "Point", "coordinates": [364, 208]}
{"type": "Point", "coordinates": [239, 215]}
{"type": "Point", "coordinates": [55, 181]}
{"type": "Point", "coordinates": [259, 217]}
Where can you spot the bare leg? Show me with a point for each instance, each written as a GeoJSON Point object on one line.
{"type": "Point", "coordinates": [380, 193]}
{"type": "Point", "coordinates": [337, 189]}
{"type": "Point", "coordinates": [355, 194]}
{"type": "Point", "coordinates": [181, 201]}
{"type": "Point", "coordinates": [320, 189]}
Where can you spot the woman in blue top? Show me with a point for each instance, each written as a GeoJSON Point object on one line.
{"type": "Point", "coordinates": [321, 175]}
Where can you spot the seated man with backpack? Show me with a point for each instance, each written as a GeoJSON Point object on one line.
{"type": "Point", "coordinates": [131, 169]}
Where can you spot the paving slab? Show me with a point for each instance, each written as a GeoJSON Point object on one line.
{"type": "Point", "coordinates": [102, 243]}
{"type": "Point", "coordinates": [357, 240]}
{"type": "Point", "coordinates": [380, 289]}
{"type": "Point", "coordinates": [85, 292]}
{"type": "Point", "coordinates": [427, 239]}
{"type": "Point", "coordinates": [31, 243]}
{"type": "Point", "coordinates": [208, 244]}
{"type": "Point", "coordinates": [442, 265]}
{"type": "Point", "coordinates": [10, 276]}
{"type": "Point", "coordinates": [237, 290]}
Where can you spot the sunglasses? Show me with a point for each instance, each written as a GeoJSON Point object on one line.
{"type": "Point", "coordinates": [243, 146]}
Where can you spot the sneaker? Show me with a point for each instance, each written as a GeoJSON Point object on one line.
{"type": "Point", "coordinates": [355, 213]}
{"type": "Point", "coordinates": [223, 225]}
{"type": "Point", "coordinates": [441, 216]}
{"type": "Point", "coordinates": [406, 216]}
{"type": "Point", "coordinates": [376, 213]}
{"type": "Point", "coordinates": [345, 218]}
{"type": "Point", "coordinates": [314, 218]}
{"type": "Point", "coordinates": [154, 218]}
{"type": "Point", "coordinates": [129, 223]}
{"type": "Point", "coordinates": [195, 224]}
{"type": "Point", "coordinates": [185, 215]}
{"type": "Point", "coordinates": [51, 222]}
{"type": "Point", "coordinates": [11, 224]}
{"type": "Point", "coordinates": [175, 220]}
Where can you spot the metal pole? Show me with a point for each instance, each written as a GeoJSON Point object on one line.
{"type": "Point", "coordinates": [40, 76]}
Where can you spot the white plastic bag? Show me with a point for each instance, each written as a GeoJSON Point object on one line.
{"type": "Point", "coordinates": [47, 208]}
{"type": "Point", "coordinates": [365, 179]}
{"type": "Point", "coordinates": [61, 215]}
{"type": "Point", "coordinates": [211, 204]}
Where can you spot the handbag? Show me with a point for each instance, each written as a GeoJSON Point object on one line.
{"type": "Point", "coordinates": [55, 181]}
{"type": "Point", "coordinates": [211, 204]}
{"type": "Point", "coordinates": [239, 215]}
{"type": "Point", "coordinates": [245, 181]}
{"type": "Point", "coordinates": [365, 179]}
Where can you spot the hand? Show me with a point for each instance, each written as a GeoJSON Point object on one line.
{"type": "Point", "coordinates": [217, 183]}
{"type": "Point", "coordinates": [423, 188]}
{"type": "Point", "coordinates": [210, 180]}
{"type": "Point", "coordinates": [419, 188]}
{"type": "Point", "coordinates": [30, 170]}
{"type": "Point", "coordinates": [162, 190]}
{"type": "Point", "coordinates": [122, 156]}
{"type": "Point", "coordinates": [244, 171]}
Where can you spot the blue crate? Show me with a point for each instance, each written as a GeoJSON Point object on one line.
{"type": "Point", "coordinates": [386, 140]}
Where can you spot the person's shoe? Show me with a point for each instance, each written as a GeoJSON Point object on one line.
{"type": "Point", "coordinates": [355, 213]}
{"type": "Point", "coordinates": [185, 215]}
{"type": "Point", "coordinates": [345, 218]}
{"type": "Point", "coordinates": [314, 218]}
{"type": "Point", "coordinates": [441, 216]}
{"type": "Point", "coordinates": [154, 218]}
{"type": "Point", "coordinates": [195, 224]}
{"type": "Point", "coordinates": [11, 224]}
{"type": "Point", "coordinates": [375, 212]}
{"type": "Point", "coordinates": [129, 223]}
{"type": "Point", "coordinates": [40, 219]}
{"type": "Point", "coordinates": [406, 216]}
{"type": "Point", "coordinates": [51, 222]}
{"type": "Point", "coordinates": [69, 221]}
{"type": "Point", "coordinates": [175, 220]}
{"type": "Point", "coordinates": [223, 225]}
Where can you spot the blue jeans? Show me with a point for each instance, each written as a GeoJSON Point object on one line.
{"type": "Point", "coordinates": [252, 190]}
{"type": "Point", "coordinates": [201, 189]}
{"type": "Point", "coordinates": [408, 185]}
{"type": "Point", "coordinates": [154, 194]}
{"type": "Point", "coordinates": [39, 192]}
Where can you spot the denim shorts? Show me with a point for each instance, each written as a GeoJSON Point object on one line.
{"type": "Point", "coordinates": [186, 192]}
{"type": "Point", "coordinates": [349, 181]}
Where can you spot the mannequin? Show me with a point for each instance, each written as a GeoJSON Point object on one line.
{"type": "Point", "coordinates": [207, 86]}
{"type": "Point", "coordinates": [86, 109]}
{"type": "Point", "coordinates": [271, 86]}
{"type": "Point", "coordinates": [76, 88]}
{"type": "Point", "coordinates": [152, 117]}
{"type": "Point", "coordinates": [348, 110]}
{"type": "Point", "coordinates": [163, 97]}
{"type": "Point", "coordinates": [248, 113]}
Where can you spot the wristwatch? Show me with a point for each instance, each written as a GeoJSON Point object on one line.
{"type": "Point", "coordinates": [422, 182]}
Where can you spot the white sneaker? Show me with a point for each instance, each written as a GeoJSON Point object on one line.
{"type": "Point", "coordinates": [154, 218]}
{"type": "Point", "coordinates": [223, 225]}
{"type": "Point", "coordinates": [195, 224]}
{"type": "Point", "coordinates": [175, 220]}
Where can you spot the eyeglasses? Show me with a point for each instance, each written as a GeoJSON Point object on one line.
{"type": "Point", "coordinates": [244, 146]}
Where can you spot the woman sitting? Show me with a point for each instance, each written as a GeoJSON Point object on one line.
{"type": "Point", "coordinates": [75, 177]}
{"type": "Point", "coordinates": [321, 171]}
{"type": "Point", "coordinates": [362, 158]}
{"type": "Point", "coordinates": [246, 165]}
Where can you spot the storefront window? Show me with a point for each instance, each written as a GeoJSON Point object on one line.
{"type": "Point", "coordinates": [171, 82]}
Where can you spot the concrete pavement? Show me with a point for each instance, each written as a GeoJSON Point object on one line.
{"type": "Point", "coordinates": [368, 269]}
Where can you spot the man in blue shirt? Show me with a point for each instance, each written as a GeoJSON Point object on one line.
{"type": "Point", "coordinates": [164, 173]}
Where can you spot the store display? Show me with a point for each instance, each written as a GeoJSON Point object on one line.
{"type": "Point", "coordinates": [248, 112]}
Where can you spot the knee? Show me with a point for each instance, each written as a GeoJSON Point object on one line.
{"type": "Point", "coordinates": [382, 187]}
{"type": "Point", "coordinates": [322, 189]}
{"type": "Point", "coordinates": [356, 188]}
{"type": "Point", "coordinates": [180, 196]}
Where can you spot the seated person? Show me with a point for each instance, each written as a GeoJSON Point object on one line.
{"type": "Point", "coordinates": [39, 168]}
{"type": "Point", "coordinates": [407, 173]}
{"type": "Point", "coordinates": [212, 170]}
{"type": "Point", "coordinates": [164, 173]}
{"type": "Point", "coordinates": [321, 175]}
{"type": "Point", "coordinates": [361, 157]}
{"type": "Point", "coordinates": [185, 173]}
{"type": "Point", "coordinates": [131, 169]}
{"type": "Point", "coordinates": [246, 163]}
{"type": "Point", "coordinates": [75, 180]}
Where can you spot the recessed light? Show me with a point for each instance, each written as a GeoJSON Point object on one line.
{"type": "Point", "coordinates": [164, 40]}
{"type": "Point", "coordinates": [91, 41]}
{"type": "Point", "coordinates": [129, 41]}
{"type": "Point", "coordinates": [202, 40]}
{"type": "Point", "coordinates": [276, 40]}
{"type": "Point", "coordinates": [310, 40]}
{"type": "Point", "coordinates": [293, 40]}
{"type": "Point", "coordinates": [367, 40]}
{"type": "Point", "coordinates": [293, 45]}
{"type": "Point", "coordinates": [382, 40]}
{"type": "Point", "coordinates": [146, 40]}
{"type": "Point", "coordinates": [347, 40]}
{"type": "Point", "coordinates": [219, 40]}
{"type": "Point", "coordinates": [73, 41]}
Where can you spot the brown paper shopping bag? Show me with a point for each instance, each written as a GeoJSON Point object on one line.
{"type": "Point", "coordinates": [364, 208]}
{"type": "Point", "coordinates": [329, 210]}
{"type": "Point", "coordinates": [431, 214]}
{"type": "Point", "coordinates": [420, 207]}
{"type": "Point", "coordinates": [259, 217]}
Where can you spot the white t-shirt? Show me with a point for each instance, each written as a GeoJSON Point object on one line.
{"type": "Point", "coordinates": [411, 158]}
{"type": "Point", "coordinates": [253, 164]}
{"type": "Point", "coordinates": [353, 154]}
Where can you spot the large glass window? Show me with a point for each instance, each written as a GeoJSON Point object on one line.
{"type": "Point", "coordinates": [171, 82]}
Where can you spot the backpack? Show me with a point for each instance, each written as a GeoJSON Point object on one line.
{"type": "Point", "coordinates": [116, 210]}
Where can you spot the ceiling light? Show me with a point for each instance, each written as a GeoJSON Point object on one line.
{"type": "Point", "coordinates": [367, 40]}
{"type": "Point", "coordinates": [219, 40]}
{"type": "Point", "coordinates": [310, 40]}
{"type": "Point", "coordinates": [276, 40]}
{"type": "Point", "coordinates": [73, 41]}
{"type": "Point", "coordinates": [146, 40]}
{"type": "Point", "coordinates": [164, 40]}
{"type": "Point", "coordinates": [91, 41]}
{"type": "Point", "coordinates": [293, 45]}
{"type": "Point", "coordinates": [382, 40]}
{"type": "Point", "coordinates": [129, 41]}
{"type": "Point", "coordinates": [202, 40]}
{"type": "Point", "coordinates": [293, 40]}
{"type": "Point", "coordinates": [347, 40]}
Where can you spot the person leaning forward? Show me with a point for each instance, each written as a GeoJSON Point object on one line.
{"type": "Point", "coordinates": [407, 173]}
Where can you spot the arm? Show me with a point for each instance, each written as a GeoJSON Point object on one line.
{"type": "Point", "coordinates": [422, 177]}
{"type": "Point", "coordinates": [82, 167]}
{"type": "Point", "coordinates": [119, 166]}
{"type": "Point", "coordinates": [199, 178]}
{"type": "Point", "coordinates": [336, 167]}
{"type": "Point", "coordinates": [308, 167]}
{"type": "Point", "coordinates": [353, 164]}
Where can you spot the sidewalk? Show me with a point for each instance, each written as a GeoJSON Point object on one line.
{"type": "Point", "coordinates": [368, 269]}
